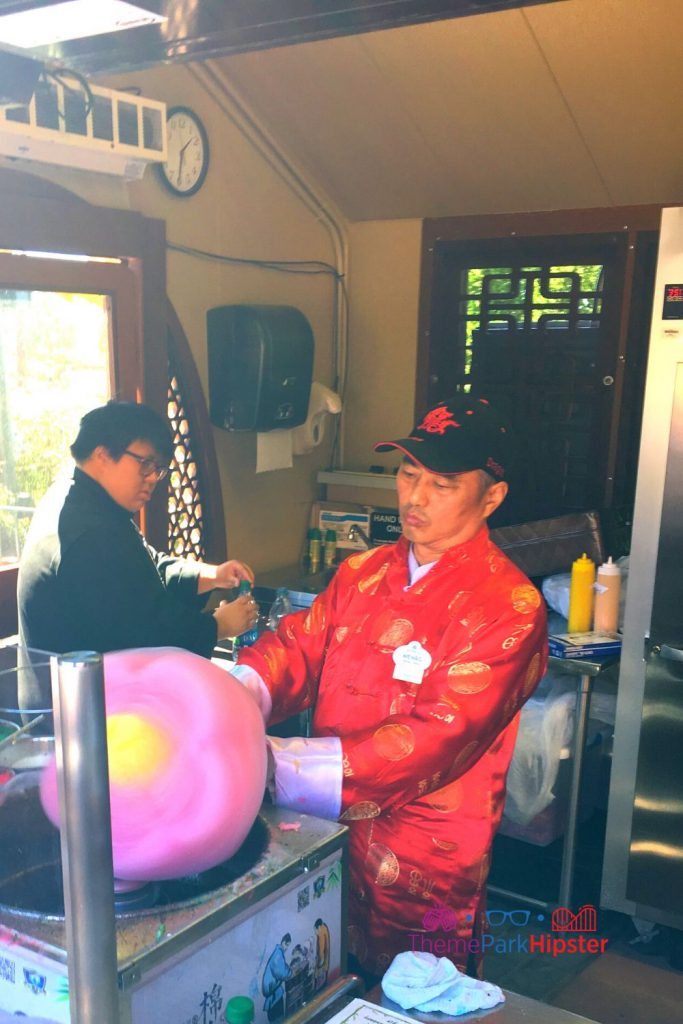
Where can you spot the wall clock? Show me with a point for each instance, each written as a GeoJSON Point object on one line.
{"type": "Point", "coordinates": [185, 169]}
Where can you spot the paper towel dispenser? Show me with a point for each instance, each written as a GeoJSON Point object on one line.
{"type": "Point", "coordinates": [260, 366]}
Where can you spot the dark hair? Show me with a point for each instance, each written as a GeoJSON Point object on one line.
{"type": "Point", "coordinates": [285, 938]}
{"type": "Point", "coordinates": [485, 481]}
{"type": "Point", "coordinates": [116, 425]}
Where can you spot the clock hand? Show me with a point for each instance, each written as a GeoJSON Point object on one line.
{"type": "Point", "coordinates": [182, 158]}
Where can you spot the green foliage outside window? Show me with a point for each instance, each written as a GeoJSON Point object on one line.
{"type": "Point", "coordinates": [54, 366]}
{"type": "Point", "coordinates": [507, 295]}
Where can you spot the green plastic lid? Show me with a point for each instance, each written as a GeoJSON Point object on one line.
{"type": "Point", "coordinates": [239, 1010]}
{"type": "Point", "coordinates": [314, 533]}
{"type": "Point", "coordinates": [331, 535]}
{"type": "Point", "coordinates": [244, 587]}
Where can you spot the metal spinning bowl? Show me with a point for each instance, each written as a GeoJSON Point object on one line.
{"type": "Point", "coordinates": [30, 864]}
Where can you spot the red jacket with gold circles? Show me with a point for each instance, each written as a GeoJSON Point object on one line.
{"type": "Point", "coordinates": [424, 764]}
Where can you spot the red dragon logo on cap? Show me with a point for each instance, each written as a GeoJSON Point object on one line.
{"type": "Point", "coordinates": [437, 420]}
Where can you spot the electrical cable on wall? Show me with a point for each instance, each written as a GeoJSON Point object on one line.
{"type": "Point", "coordinates": [286, 266]}
{"type": "Point", "coordinates": [309, 268]}
{"type": "Point", "coordinates": [60, 75]}
{"type": "Point", "coordinates": [222, 92]}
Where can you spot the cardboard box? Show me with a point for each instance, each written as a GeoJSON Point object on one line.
{"type": "Point", "coordinates": [381, 525]}
{"type": "Point", "coordinates": [340, 516]}
{"type": "Point", "coordinates": [584, 645]}
{"type": "Point", "coordinates": [341, 520]}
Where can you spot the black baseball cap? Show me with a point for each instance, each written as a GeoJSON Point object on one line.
{"type": "Point", "coordinates": [456, 436]}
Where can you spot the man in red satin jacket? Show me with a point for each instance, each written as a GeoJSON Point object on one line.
{"type": "Point", "coordinates": [416, 661]}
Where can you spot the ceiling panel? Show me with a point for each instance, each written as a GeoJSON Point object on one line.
{"type": "Point", "coordinates": [448, 118]}
{"type": "Point", "coordinates": [619, 66]}
{"type": "Point", "coordinates": [493, 122]}
{"type": "Point", "coordinates": [547, 107]}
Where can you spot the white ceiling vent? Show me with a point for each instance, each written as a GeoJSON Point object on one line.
{"type": "Point", "coordinates": [85, 126]}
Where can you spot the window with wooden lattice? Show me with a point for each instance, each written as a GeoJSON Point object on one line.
{"type": "Point", "coordinates": [190, 523]}
{"type": "Point", "coordinates": [546, 316]}
{"type": "Point", "coordinates": [185, 529]}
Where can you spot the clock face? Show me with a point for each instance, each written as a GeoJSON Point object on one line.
{"type": "Point", "coordinates": [188, 152]}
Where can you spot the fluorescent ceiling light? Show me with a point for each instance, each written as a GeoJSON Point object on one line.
{"type": "Point", "coordinates": [73, 19]}
{"type": "Point", "coordinates": [68, 257]}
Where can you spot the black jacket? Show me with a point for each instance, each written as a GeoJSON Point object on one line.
{"type": "Point", "coordinates": [88, 580]}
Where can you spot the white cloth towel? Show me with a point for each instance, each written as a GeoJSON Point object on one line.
{"type": "Point", "coordinates": [422, 981]}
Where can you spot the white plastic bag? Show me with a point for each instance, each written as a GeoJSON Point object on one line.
{"type": "Point", "coordinates": [545, 728]}
{"type": "Point", "coordinates": [556, 592]}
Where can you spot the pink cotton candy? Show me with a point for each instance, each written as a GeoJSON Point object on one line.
{"type": "Point", "coordinates": [191, 806]}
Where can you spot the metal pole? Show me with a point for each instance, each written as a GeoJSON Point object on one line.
{"type": "Point", "coordinates": [87, 871]}
{"type": "Point", "coordinates": [583, 697]}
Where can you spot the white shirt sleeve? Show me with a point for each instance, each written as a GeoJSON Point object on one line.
{"type": "Point", "coordinates": [308, 774]}
{"type": "Point", "coordinates": [308, 770]}
{"type": "Point", "coordinates": [251, 681]}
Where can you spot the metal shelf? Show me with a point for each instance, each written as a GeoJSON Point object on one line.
{"type": "Point", "coordinates": [349, 478]}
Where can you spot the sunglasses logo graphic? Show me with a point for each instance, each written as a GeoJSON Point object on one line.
{"type": "Point", "coordinates": [443, 918]}
{"type": "Point", "coordinates": [519, 918]}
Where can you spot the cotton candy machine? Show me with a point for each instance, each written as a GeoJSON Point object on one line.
{"type": "Point", "coordinates": [183, 946]}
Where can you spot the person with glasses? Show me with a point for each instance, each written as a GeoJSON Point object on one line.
{"type": "Point", "coordinates": [88, 579]}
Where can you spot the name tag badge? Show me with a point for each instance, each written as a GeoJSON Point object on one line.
{"type": "Point", "coordinates": [411, 661]}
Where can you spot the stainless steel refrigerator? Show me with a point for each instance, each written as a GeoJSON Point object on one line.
{"type": "Point", "coordinates": [643, 868]}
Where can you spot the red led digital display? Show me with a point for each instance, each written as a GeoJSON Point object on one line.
{"type": "Point", "coordinates": [673, 302]}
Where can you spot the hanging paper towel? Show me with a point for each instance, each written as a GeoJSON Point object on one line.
{"type": "Point", "coordinates": [323, 402]}
{"type": "Point", "coordinates": [274, 448]}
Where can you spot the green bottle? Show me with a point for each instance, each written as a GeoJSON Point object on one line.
{"type": "Point", "coordinates": [314, 546]}
{"type": "Point", "coordinates": [239, 1010]}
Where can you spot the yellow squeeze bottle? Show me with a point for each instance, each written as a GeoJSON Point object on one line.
{"type": "Point", "coordinates": [581, 595]}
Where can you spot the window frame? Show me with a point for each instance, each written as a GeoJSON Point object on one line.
{"type": "Point", "coordinates": [38, 216]}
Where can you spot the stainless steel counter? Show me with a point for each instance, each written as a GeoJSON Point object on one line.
{"type": "Point", "coordinates": [515, 1010]}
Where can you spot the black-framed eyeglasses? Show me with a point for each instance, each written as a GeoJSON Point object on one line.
{"type": "Point", "coordinates": [148, 467]}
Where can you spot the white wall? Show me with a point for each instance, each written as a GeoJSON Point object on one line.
{"type": "Point", "coordinates": [384, 286]}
